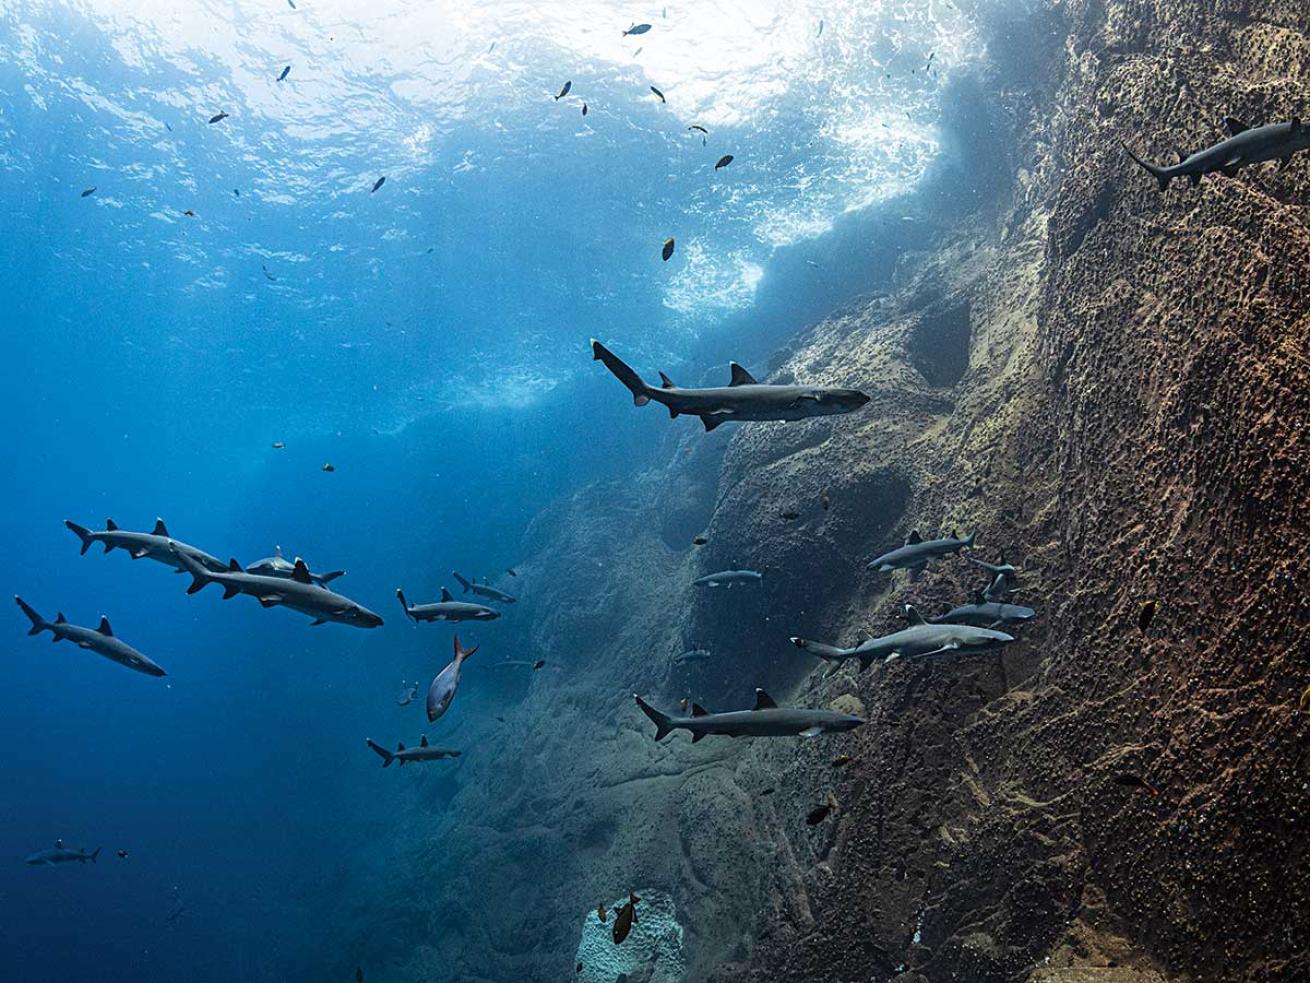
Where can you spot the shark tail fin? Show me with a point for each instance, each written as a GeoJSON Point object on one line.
{"type": "Point", "coordinates": [38, 623]}
{"type": "Point", "coordinates": [199, 575]}
{"type": "Point", "coordinates": [400, 594]}
{"type": "Point", "coordinates": [971, 537]}
{"type": "Point", "coordinates": [83, 533]}
{"type": "Point", "coordinates": [623, 372]}
{"type": "Point", "coordinates": [1160, 174]}
{"type": "Point", "coordinates": [386, 756]}
{"type": "Point", "coordinates": [462, 582]}
{"type": "Point", "coordinates": [95, 853]}
{"type": "Point", "coordinates": [660, 720]}
{"type": "Point", "coordinates": [331, 575]}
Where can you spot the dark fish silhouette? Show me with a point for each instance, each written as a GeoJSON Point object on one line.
{"type": "Point", "coordinates": [667, 251]}
{"type": "Point", "coordinates": [378, 183]}
{"type": "Point", "coordinates": [1135, 781]}
{"type": "Point", "coordinates": [329, 467]}
{"type": "Point", "coordinates": [88, 192]}
{"type": "Point", "coordinates": [723, 162]}
{"type": "Point", "coordinates": [291, 4]}
{"type": "Point", "coordinates": [564, 91]}
{"type": "Point", "coordinates": [189, 213]}
{"type": "Point", "coordinates": [219, 117]}
{"type": "Point", "coordinates": [511, 571]}
{"type": "Point", "coordinates": [278, 445]}
{"type": "Point", "coordinates": [579, 969]}
{"type": "Point", "coordinates": [698, 128]}
{"type": "Point", "coordinates": [538, 664]}
{"type": "Point", "coordinates": [584, 109]}
{"type": "Point", "coordinates": [270, 276]}
{"type": "Point", "coordinates": [658, 93]}
{"type": "Point", "coordinates": [821, 812]}
{"type": "Point", "coordinates": [120, 854]}
{"type": "Point", "coordinates": [637, 29]}
{"type": "Point", "coordinates": [790, 515]}
{"type": "Point", "coordinates": [768, 791]}
{"type": "Point", "coordinates": [1146, 614]}
{"type": "Point", "coordinates": [699, 540]}
{"type": "Point", "coordinates": [842, 760]}
{"type": "Point", "coordinates": [285, 72]}
{"type": "Point", "coordinates": [625, 919]}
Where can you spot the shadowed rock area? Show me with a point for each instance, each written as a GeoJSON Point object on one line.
{"type": "Point", "coordinates": [1108, 383]}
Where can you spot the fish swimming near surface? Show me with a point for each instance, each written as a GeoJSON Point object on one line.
{"type": "Point", "coordinates": [917, 551]}
{"type": "Point", "coordinates": [99, 640]}
{"type": "Point", "coordinates": [378, 183]}
{"type": "Point", "coordinates": [723, 162]}
{"type": "Point", "coordinates": [155, 545]}
{"type": "Point", "coordinates": [921, 639]}
{"type": "Point", "coordinates": [279, 445]}
{"type": "Point", "coordinates": [1146, 614]}
{"type": "Point", "coordinates": [1245, 145]}
{"type": "Point", "coordinates": [61, 855]}
{"type": "Point", "coordinates": [189, 213]}
{"type": "Point", "coordinates": [88, 192]}
{"type": "Point", "coordinates": [658, 93]}
{"type": "Point", "coordinates": [291, 4]}
{"type": "Point", "coordinates": [442, 690]}
{"type": "Point", "coordinates": [485, 590]}
{"type": "Point", "coordinates": [424, 752]}
{"type": "Point", "coordinates": [278, 565]}
{"type": "Point", "coordinates": [446, 609]}
{"type": "Point", "coordinates": [666, 252]}
{"type": "Point", "coordinates": [637, 29]}
{"type": "Point", "coordinates": [329, 467]}
{"type": "Point", "coordinates": [698, 128]}
{"type": "Point", "coordinates": [625, 919]}
{"type": "Point", "coordinates": [285, 72]}
{"type": "Point", "coordinates": [564, 91]}
{"type": "Point", "coordinates": [267, 275]}
{"type": "Point", "coordinates": [584, 109]}
{"type": "Point", "coordinates": [296, 593]}
{"type": "Point", "coordinates": [219, 117]}
{"type": "Point", "coordinates": [742, 399]}
{"type": "Point", "coordinates": [822, 811]}
{"type": "Point", "coordinates": [728, 578]}
{"type": "Point", "coordinates": [765, 719]}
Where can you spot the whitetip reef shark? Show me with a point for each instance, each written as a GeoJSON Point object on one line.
{"type": "Point", "coordinates": [742, 399]}
{"type": "Point", "coordinates": [917, 551]}
{"type": "Point", "coordinates": [922, 638]}
{"type": "Point", "coordinates": [155, 545]}
{"type": "Point", "coordinates": [424, 752]}
{"type": "Point", "coordinates": [446, 609]}
{"type": "Point", "coordinates": [278, 565]}
{"type": "Point", "coordinates": [484, 589]}
{"type": "Point", "coordinates": [98, 640]}
{"type": "Point", "coordinates": [765, 719]}
{"type": "Point", "coordinates": [60, 854]}
{"type": "Point", "coordinates": [1245, 145]}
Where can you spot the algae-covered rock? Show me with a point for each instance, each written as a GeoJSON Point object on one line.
{"type": "Point", "coordinates": [652, 952]}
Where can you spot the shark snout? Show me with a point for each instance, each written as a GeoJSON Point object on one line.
{"type": "Point", "coordinates": [366, 619]}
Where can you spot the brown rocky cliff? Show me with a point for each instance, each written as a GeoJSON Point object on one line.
{"type": "Point", "coordinates": [1108, 383]}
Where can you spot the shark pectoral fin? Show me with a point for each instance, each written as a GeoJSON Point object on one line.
{"type": "Point", "coordinates": [696, 736]}
{"type": "Point", "coordinates": [673, 414]}
{"type": "Point", "coordinates": [865, 662]}
{"type": "Point", "coordinates": [811, 732]}
{"type": "Point", "coordinates": [139, 552]}
{"type": "Point", "coordinates": [1196, 180]}
{"type": "Point", "coordinates": [269, 600]}
{"type": "Point", "coordinates": [318, 621]}
{"type": "Point", "coordinates": [710, 422]}
{"type": "Point", "coordinates": [230, 592]}
{"type": "Point", "coordinates": [1232, 167]}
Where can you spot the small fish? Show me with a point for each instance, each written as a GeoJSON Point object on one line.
{"type": "Point", "coordinates": [564, 91]}
{"type": "Point", "coordinates": [189, 213]}
{"type": "Point", "coordinates": [584, 109]}
{"type": "Point", "coordinates": [698, 128]}
{"type": "Point", "coordinates": [579, 969]}
{"type": "Point", "coordinates": [501, 719]}
{"type": "Point", "coordinates": [1146, 614]}
{"type": "Point", "coordinates": [291, 4]}
{"type": "Point", "coordinates": [723, 162]}
{"type": "Point", "coordinates": [625, 919]}
{"type": "Point", "coordinates": [237, 192]}
{"type": "Point", "coordinates": [820, 34]}
{"type": "Point", "coordinates": [1135, 781]}
{"type": "Point", "coordinates": [768, 791]}
{"type": "Point", "coordinates": [168, 128]}
{"type": "Point", "coordinates": [538, 664]}
{"type": "Point", "coordinates": [88, 192]}
{"type": "Point", "coordinates": [285, 72]}
{"type": "Point", "coordinates": [601, 913]}
{"type": "Point", "coordinates": [219, 117]}
{"type": "Point", "coordinates": [637, 29]}
{"type": "Point", "coordinates": [638, 51]}
{"type": "Point", "coordinates": [667, 251]}
{"type": "Point", "coordinates": [511, 571]}
{"type": "Point", "coordinates": [278, 445]}
{"type": "Point", "coordinates": [493, 47]}
{"type": "Point", "coordinates": [658, 93]}
{"type": "Point", "coordinates": [790, 515]}
{"type": "Point", "coordinates": [120, 854]}
{"type": "Point", "coordinates": [821, 812]}
{"type": "Point", "coordinates": [378, 183]}
{"type": "Point", "coordinates": [842, 760]}
{"type": "Point", "coordinates": [269, 275]}
{"type": "Point", "coordinates": [699, 540]}
{"type": "Point", "coordinates": [329, 467]}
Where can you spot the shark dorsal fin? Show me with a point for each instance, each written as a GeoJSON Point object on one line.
{"type": "Point", "coordinates": [233, 565]}
{"type": "Point", "coordinates": [160, 529]}
{"type": "Point", "coordinates": [913, 616]}
{"type": "Point", "coordinates": [666, 382]}
{"type": "Point", "coordinates": [111, 525]}
{"type": "Point", "coordinates": [977, 596]}
{"type": "Point", "coordinates": [301, 573]}
{"type": "Point", "coordinates": [59, 618]}
{"type": "Point", "coordinates": [740, 377]}
{"type": "Point", "coordinates": [1180, 155]}
{"type": "Point", "coordinates": [698, 711]}
{"type": "Point", "coordinates": [445, 595]}
{"type": "Point", "coordinates": [913, 538]}
{"type": "Point", "coordinates": [400, 747]}
{"type": "Point", "coordinates": [1234, 126]}
{"type": "Point", "coordinates": [1296, 125]}
{"type": "Point", "coordinates": [104, 628]}
{"type": "Point", "coordinates": [763, 701]}
{"type": "Point", "coordinates": [423, 741]}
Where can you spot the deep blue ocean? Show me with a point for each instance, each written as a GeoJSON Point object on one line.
{"type": "Point", "coordinates": [428, 340]}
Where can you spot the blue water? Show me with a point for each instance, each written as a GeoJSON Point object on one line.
{"type": "Point", "coordinates": [428, 340]}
